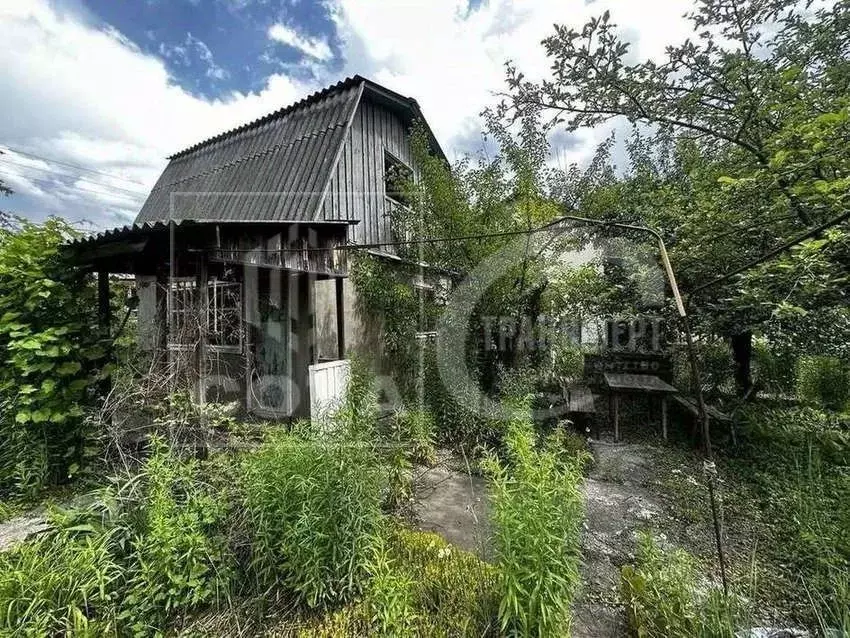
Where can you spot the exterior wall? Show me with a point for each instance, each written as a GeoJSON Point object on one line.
{"type": "Point", "coordinates": [362, 334]}
{"type": "Point", "coordinates": [356, 190]}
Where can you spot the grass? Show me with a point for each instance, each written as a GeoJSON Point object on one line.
{"type": "Point", "coordinates": [786, 504]}
{"type": "Point", "coordinates": [666, 597]}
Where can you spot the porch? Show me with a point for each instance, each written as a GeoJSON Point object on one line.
{"type": "Point", "coordinates": [229, 308]}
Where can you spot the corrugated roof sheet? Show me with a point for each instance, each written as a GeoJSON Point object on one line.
{"type": "Point", "coordinates": [122, 232]}
{"type": "Point", "coordinates": [274, 168]}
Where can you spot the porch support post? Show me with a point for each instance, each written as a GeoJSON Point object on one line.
{"type": "Point", "coordinates": [103, 311]}
{"type": "Point", "coordinates": [203, 302]}
{"type": "Point", "coordinates": [340, 319]}
{"type": "Point", "coordinates": [103, 320]}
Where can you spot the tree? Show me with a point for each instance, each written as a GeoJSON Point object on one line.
{"type": "Point", "coordinates": [754, 109]}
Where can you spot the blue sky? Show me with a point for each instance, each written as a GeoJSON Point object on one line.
{"type": "Point", "coordinates": [96, 93]}
{"type": "Point", "coordinates": [185, 33]}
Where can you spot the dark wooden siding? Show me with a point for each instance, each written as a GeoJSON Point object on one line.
{"type": "Point", "coordinates": [356, 190]}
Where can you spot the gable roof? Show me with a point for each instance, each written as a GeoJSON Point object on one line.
{"type": "Point", "coordinates": [276, 168]}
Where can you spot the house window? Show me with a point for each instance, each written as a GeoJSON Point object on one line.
{"type": "Point", "coordinates": [397, 179]}
{"type": "Point", "coordinates": [183, 324]}
{"type": "Point", "coordinates": [224, 315]}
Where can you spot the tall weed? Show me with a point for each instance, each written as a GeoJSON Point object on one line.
{"type": "Point", "coordinates": [537, 515]}
{"type": "Point", "coordinates": [62, 583]}
{"type": "Point", "coordinates": [180, 558]}
{"type": "Point", "coordinates": [314, 510]}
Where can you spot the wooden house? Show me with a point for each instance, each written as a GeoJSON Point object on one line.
{"type": "Point", "coordinates": [241, 250]}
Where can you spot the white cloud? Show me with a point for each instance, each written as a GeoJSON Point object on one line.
{"type": "Point", "coordinates": [87, 96]}
{"type": "Point", "coordinates": [451, 59]}
{"type": "Point", "coordinates": [317, 48]}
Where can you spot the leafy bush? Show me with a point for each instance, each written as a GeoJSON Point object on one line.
{"type": "Point", "coordinates": [773, 368]}
{"type": "Point", "coordinates": [665, 598]}
{"type": "Point", "coordinates": [824, 381]}
{"type": "Point", "coordinates": [717, 368]}
{"type": "Point", "coordinates": [180, 557]}
{"type": "Point", "coordinates": [414, 429]}
{"type": "Point", "coordinates": [314, 510]}
{"type": "Point", "coordinates": [421, 586]}
{"type": "Point", "coordinates": [60, 583]}
{"type": "Point", "coordinates": [51, 357]}
{"type": "Point", "coordinates": [537, 517]}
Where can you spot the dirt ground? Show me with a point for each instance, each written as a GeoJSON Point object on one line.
{"type": "Point", "coordinates": [619, 502]}
{"type": "Point", "coordinates": [452, 502]}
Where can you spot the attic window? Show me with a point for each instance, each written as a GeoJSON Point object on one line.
{"type": "Point", "coordinates": [397, 179]}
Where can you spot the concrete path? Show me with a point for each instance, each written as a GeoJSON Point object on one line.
{"type": "Point", "coordinates": [618, 504]}
{"type": "Point", "coordinates": [452, 502]}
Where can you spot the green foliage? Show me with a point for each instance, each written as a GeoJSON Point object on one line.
{"type": "Point", "coordinates": [391, 597]}
{"type": "Point", "coordinates": [454, 593]}
{"type": "Point", "coordinates": [773, 367]}
{"type": "Point", "coordinates": [537, 517]}
{"type": "Point", "coordinates": [63, 583]}
{"type": "Point", "coordinates": [51, 357]}
{"type": "Point", "coordinates": [414, 430]}
{"type": "Point", "coordinates": [313, 508]}
{"type": "Point", "coordinates": [180, 559]}
{"type": "Point", "coordinates": [794, 461]}
{"type": "Point", "coordinates": [716, 368]}
{"type": "Point", "coordinates": [824, 381]}
{"type": "Point", "coordinates": [666, 598]}
{"type": "Point", "coordinates": [421, 586]}
{"type": "Point", "coordinates": [750, 113]}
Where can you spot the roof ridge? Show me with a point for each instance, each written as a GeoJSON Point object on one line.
{"type": "Point", "coordinates": [303, 102]}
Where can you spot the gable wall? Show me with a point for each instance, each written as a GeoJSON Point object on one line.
{"type": "Point", "coordinates": [356, 190]}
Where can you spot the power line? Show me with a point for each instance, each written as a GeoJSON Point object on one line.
{"type": "Point", "coordinates": [70, 176]}
{"type": "Point", "coordinates": [70, 165]}
{"type": "Point", "coordinates": [44, 182]}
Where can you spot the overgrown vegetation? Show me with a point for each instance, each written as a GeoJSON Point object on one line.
{"type": "Point", "coordinates": [665, 596]}
{"type": "Point", "coordinates": [537, 518]}
{"type": "Point", "coordinates": [51, 358]}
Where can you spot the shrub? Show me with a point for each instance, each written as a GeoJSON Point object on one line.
{"type": "Point", "coordinates": [51, 357]}
{"type": "Point", "coordinates": [773, 369]}
{"type": "Point", "coordinates": [314, 510]}
{"type": "Point", "coordinates": [665, 599]}
{"type": "Point", "coordinates": [537, 516]}
{"type": "Point", "coordinates": [717, 368]}
{"type": "Point", "coordinates": [62, 583]}
{"type": "Point", "coordinates": [824, 381]}
{"type": "Point", "coordinates": [455, 592]}
{"type": "Point", "coordinates": [414, 429]}
{"type": "Point", "coordinates": [420, 586]}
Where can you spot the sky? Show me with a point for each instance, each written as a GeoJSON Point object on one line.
{"type": "Point", "coordinates": [95, 94]}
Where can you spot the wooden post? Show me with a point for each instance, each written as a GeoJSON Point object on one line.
{"type": "Point", "coordinates": [104, 315]}
{"type": "Point", "coordinates": [664, 417]}
{"type": "Point", "coordinates": [202, 310]}
{"type": "Point", "coordinates": [340, 319]}
{"type": "Point", "coordinates": [615, 415]}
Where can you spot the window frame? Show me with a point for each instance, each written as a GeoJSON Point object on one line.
{"type": "Point", "coordinates": [188, 286]}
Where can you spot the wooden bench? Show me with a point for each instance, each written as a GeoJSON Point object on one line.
{"type": "Point", "coordinates": [690, 405]}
